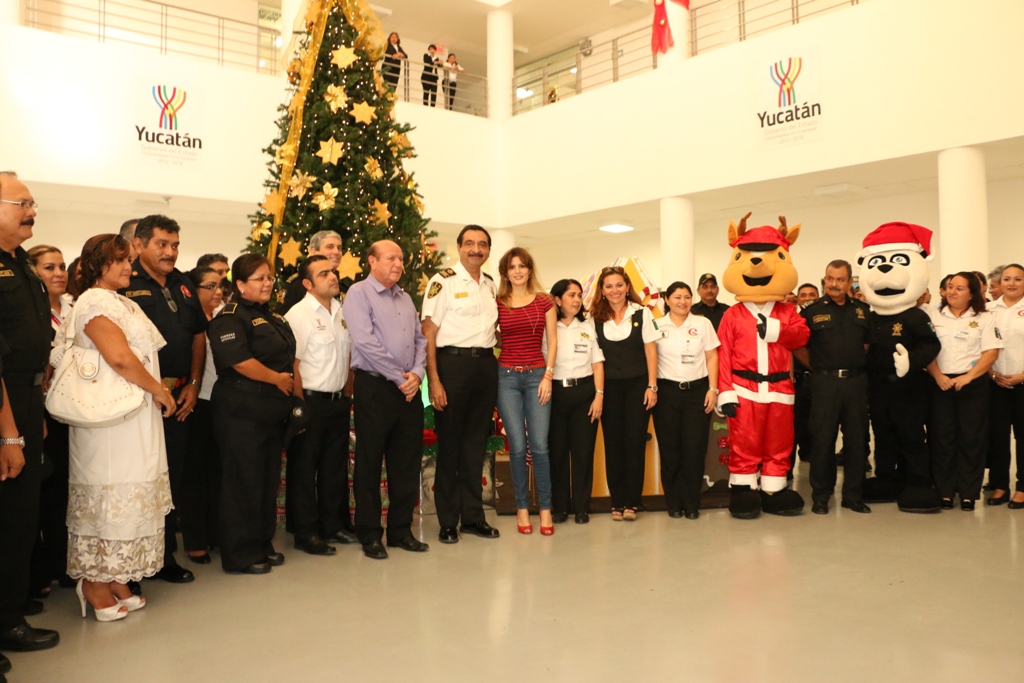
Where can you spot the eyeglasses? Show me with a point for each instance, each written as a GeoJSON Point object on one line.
{"type": "Point", "coordinates": [209, 286]}
{"type": "Point", "coordinates": [25, 204]}
{"type": "Point", "coordinates": [614, 269]}
{"type": "Point", "coordinates": [171, 303]}
{"type": "Point", "coordinates": [265, 278]}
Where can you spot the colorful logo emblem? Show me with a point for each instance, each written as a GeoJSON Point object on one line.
{"type": "Point", "coordinates": [784, 74]}
{"type": "Point", "coordinates": [170, 100]}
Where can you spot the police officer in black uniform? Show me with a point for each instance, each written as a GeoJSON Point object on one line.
{"type": "Point", "coordinates": [254, 351]}
{"type": "Point", "coordinates": [169, 299]}
{"type": "Point", "coordinates": [25, 326]}
{"type": "Point", "coordinates": [837, 356]}
{"type": "Point", "coordinates": [709, 306]}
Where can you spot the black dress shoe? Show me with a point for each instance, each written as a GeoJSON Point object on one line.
{"type": "Point", "coordinates": [1014, 505]}
{"type": "Point", "coordinates": [692, 514]}
{"type": "Point", "coordinates": [31, 608]}
{"type": "Point", "coordinates": [24, 638]}
{"type": "Point", "coordinates": [175, 573]}
{"type": "Point", "coordinates": [946, 504]}
{"type": "Point", "coordinates": [481, 529]}
{"type": "Point", "coordinates": [409, 543]}
{"type": "Point", "coordinates": [675, 514]}
{"type": "Point", "coordinates": [967, 505]}
{"type": "Point", "coordinates": [134, 586]}
{"type": "Point", "coordinates": [448, 535]}
{"type": "Point", "coordinates": [257, 568]}
{"type": "Point", "coordinates": [559, 517]}
{"type": "Point", "coordinates": [314, 545]}
{"type": "Point", "coordinates": [344, 537]}
{"type": "Point", "coordinates": [5, 665]}
{"type": "Point", "coordinates": [856, 506]}
{"type": "Point", "coordinates": [275, 559]}
{"type": "Point", "coordinates": [375, 550]}
{"type": "Point", "coordinates": [999, 500]}
{"type": "Point", "coordinates": [820, 508]}
{"type": "Point", "coordinates": [200, 559]}
{"type": "Point", "coordinates": [582, 518]}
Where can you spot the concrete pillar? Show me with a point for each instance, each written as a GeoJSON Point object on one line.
{"type": "Point", "coordinates": [963, 211]}
{"type": "Point", "coordinates": [501, 241]}
{"type": "Point", "coordinates": [500, 64]}
{"type": "Point", "coordinates": [679, 22]}
{"type": "Point", "coordinates": [677, 253]}
{"type": "Point", "coordinates": [10, 11]}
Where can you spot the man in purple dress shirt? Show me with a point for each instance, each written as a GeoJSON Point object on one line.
{"type": "Point", "coordinates": [389, 355]}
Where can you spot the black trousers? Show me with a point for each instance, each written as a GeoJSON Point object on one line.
{"type": "Point", "coordinates": [449, 90]}
{"type": "Point", "coordinates": [429, 92]}
{"type": "Point", "coordinates": [958, 431]}
{"type": "Point", "coordinates": [1006, 412]}
{"type": "Point", "coordinates": [899, 410]}
{"type": "Point", "coordinates": [624, 425]}
{"type": "Point", "coordinates": [838, 402]}
{"type": "Point", "coordinates": [681, 426]}
{"type": "Point", "coordinates": [571, 438]}
{"type": "Point", "coordinates": [250, 433]}
{"type": "Point", "coordinates": [463, 427]}
{"type": "Point", "coordinates": [19, 500]}
{"type": "Point", "coordinates": [200, 485]}
{"type": "Point", "coordinates": [387, 427]}
{"type": "Point", "coordinates": [50, 555]}
{"type": "Point", "coordinates": [317, 484]}
{"type": "Point", "coordinates": [802, 419]}
{"type": "Point", "coordinates": [176, 441]}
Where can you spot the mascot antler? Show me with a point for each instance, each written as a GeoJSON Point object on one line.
{"type": "Point", "coordinates": [736, 231]}
{"type": "Point", "coordinates": [789, 233]}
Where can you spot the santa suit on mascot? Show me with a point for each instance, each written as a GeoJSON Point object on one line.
{"type": "Point", "coordinates": [756, 393]}
{"type": "Point", "coordinates": [893, 275]}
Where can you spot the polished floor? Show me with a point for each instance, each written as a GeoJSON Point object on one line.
{"type": "Point", "coordinates": [844, 597]}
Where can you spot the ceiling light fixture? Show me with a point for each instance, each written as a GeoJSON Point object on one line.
{"type": "Point", "coordinates": [616, 227]}
{"type": "Point", "coordinates": [523, 93]}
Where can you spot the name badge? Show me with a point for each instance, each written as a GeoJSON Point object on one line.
{"type": "Point", "coordinates": [6, 273]}
{"type": "Point", "coordinates": [961, 334]}
{"type": "Point", "coordinates": [461, 295]}
{"type": "Point", "coordinates": [581, 348]}
{"type": "Point", "coordinates": [689, 358]}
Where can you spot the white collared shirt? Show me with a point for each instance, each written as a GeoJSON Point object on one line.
{"type": "Point", "coordinates": [464, 310]}
{"type": "Point", "coordinates": [682, 349]}
{"type": "Point", "coordinates": [1010, 323]}
{"type": "Point", "coordinates": [618, 331]}
{"type": "Point", "coordinates": [963, 339]}
{"type": "Point", "coordinates": [322, 344]}
{"type": "Point", "coordinates": [577, 351]}
{"type": "Point", "coordinates": [209, 369]}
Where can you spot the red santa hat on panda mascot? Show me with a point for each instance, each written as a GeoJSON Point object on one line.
{"type": "Point", "coordinates": [895, 237]}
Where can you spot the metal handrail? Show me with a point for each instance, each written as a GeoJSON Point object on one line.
{"type": "Point", "coordinates": [167, 28]}
{"type": "Point", "coordinates": [470, 94]}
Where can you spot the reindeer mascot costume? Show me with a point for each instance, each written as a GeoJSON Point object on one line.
{"type": "Point", "coordinates": [893, 275]}
{"type": "Point", "coordinates": [757, 337]}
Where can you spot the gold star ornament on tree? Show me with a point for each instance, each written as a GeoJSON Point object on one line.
{"type": "Point", "coordinates": [330, 151]}
{"type": "Point", "coordinates": [363, 112]}
{"type": "Point", "coordinates": [290, 252]}
{"type": "Point", "coordinates": [336, 98]}
{"type": "Point", "coordinates": [325, 199]}
{"type": "Point", "coordinates": [373, 168]}
{"type": "Point", "coordinates": [343, 57]}
{"type": "Point", "coordinates": [381, 211]}
{"type": "Point", "coordinates": [273, 203]}
{"type": "Point", "coordinates": [300, 184]}
{"type": "Point", "coordinates": [349, 266]}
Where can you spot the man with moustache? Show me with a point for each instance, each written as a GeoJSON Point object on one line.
{"type": "Point", "coordinates": [324, 243]}
{"type": "Point", "coordinates": [170, 301]}
{"type": "Point", "coordinates": [389, 354]}
{"type": "Point", "coordinates": [709, 306]}
{"type": "Point", "coordinates": [26, 334]}
{"type": "Point", "coordinates": [837, 356]}
{"type": "Point", "coordinates": [460, 315]}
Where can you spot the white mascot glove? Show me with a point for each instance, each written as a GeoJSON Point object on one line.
{"type": "Point", "coordinates": [902, 360]}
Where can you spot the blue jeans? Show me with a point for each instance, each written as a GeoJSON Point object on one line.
{"type": "Point", "coordinates": [525, 418]}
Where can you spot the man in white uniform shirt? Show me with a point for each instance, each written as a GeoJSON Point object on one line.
{"type": "Point", "coordinates": [318, 458]}
{"type": "Point", "coordinates": [460, 315]}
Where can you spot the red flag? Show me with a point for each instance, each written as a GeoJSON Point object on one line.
{"type": "Point", "coordinates": [661, 34]}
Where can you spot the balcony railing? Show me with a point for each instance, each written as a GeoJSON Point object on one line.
{"type": "Point", "coordinates": [163, 27]}
{"type": "Point", "coordinates": [469, 95]}
{"type": "Point", "coordinates": [713, 24]}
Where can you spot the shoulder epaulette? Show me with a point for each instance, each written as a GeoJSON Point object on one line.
{"type": "Point", "coordinates": [229, 309]}
{"type": "Point", "coordinates": [488, 277]}
{"type": "Point", "coordinates": [280, 317]}
{"type": "Point", "coordinates": [447, 272]}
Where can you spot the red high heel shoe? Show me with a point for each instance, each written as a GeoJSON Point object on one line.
{"type": "Point", "coordinates": [547, 530]}
{"type": "Point", "coordinates": [527, 528]}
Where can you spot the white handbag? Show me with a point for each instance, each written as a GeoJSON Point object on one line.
{"type": "Point", "coordinates": [86, 392]}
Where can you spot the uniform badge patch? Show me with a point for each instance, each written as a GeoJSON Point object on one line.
{"type": "Point", "coordinates": [435, 289]}
{"type": "Point", "coordinates": [138, 292]}
{"type": "Point", "coordinates": [860, 313]}
{"type": "Point", "coordinates": [973, 325]}
{"type": "Point", "coordinates": [897, 329]}
{"type": "Point", "coordinates": [230, 336]}
{"type": "Point", "coordinates": [6, 273]}
{"type": "Point", "coordinates": [259, 321]}
{"type": "Point", "coordinates": [824, 318]}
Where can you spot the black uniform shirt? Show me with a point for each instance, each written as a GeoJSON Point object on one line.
{"type": "Point", "coordinates": [712, 313]}
{"type": "Point", "coordinates": [180, 327]}
{"type": "Point", "coordinates": [4, 350]}
{"type": "Point", "coordinates": [838, 334]}
{"type": "Point", "coordinates": [24, 315]}
{"type": "Point", "coordinates": [912, 328]}
{"type": "Point", "coordinates": [245, 330]}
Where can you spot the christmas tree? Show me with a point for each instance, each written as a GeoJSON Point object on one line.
{"type": "Point", "coordinates": [336, 163]}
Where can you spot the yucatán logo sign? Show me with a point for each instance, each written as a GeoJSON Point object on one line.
{"type": "Point", "coordinates": [173, 138]}
{"type": "Point", "coordinates": [787, 114]}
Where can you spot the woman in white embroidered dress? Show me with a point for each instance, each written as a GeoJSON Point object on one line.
{"type": "Point", "coordinates": [119, 490]}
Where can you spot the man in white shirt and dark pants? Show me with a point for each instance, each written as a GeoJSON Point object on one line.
{"type": "Point", "coordinates": [318, 458]}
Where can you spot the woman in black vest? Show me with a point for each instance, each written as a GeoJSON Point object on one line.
{"type": "Point", "coordinates": [627, 335]}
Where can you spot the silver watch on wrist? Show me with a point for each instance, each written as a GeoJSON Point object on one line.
{"type": "Point", "coordinates": [653, 387]}
{"type": "Point", "coordinates": [13, 441]}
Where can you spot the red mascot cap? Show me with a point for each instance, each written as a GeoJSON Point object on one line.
{"type": "Point", "coordinates": [764, 238]}
{"type": "Point", "coordinates": [891, 236]}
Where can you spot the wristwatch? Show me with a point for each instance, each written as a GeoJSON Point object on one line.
{"type": "Point", "coordinates": [13, 441]}
{"type": "Point", "coordinates": [195, 382]}
{"type": "Point", "coordinates": [653, 387]}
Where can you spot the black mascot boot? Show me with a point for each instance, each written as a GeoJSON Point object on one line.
{"type": "Point", "coordinates": [919, 498]}
{"type": "Point", "coordinates": [879, 490]}
{"type": "Point", "coordinates": [744, 503]}
{"type": "Point", "coordinates": [786, 503]}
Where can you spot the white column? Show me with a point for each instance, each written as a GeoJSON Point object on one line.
{"type": "Point", "coordinates": [10, 11]}
{"type": "Point", "coordinates": [501, 241]}
{"type": "Point", "coordinates": [963, 210]}
{"type": "Point", "coordinates": [677, 257]}
{"type": "Point", "coordinates": [500, 64]}
{"type": "Point", "coordinates": [679, 22]}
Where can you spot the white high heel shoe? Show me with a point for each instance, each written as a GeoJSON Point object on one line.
{"type": "Point", "coordinates": [134, 603]}
{"type": "Point", "coordinates": [112, 613]}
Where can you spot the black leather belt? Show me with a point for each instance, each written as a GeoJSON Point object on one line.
{"type": "Point", "coordinates": [250, 385]}
{"type": "Point", "coordinates": [371, 373]}
{"type": "Point", "coordinates": [842, 374]}
{"type": "Point", "coordinates": [466, 350]}
{"type": "Point", "coordinates": [701, 383]}
{"type": "Point", "coordinates": [575, 381]}
{"type": "Point", "coordinates": [758, 377]}
{"type": "Point", "coordinates": [325, 395]}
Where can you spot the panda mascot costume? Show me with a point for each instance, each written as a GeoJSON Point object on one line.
{"type": "Point", "coordinates": [756, 393]}
{"type": "Point", "coordinates": [893, 275]}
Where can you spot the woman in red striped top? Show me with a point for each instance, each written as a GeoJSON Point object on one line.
{"type": "Point", "coordinates": [526, 316]}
